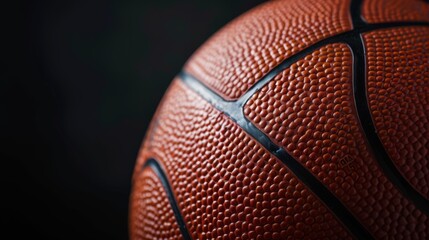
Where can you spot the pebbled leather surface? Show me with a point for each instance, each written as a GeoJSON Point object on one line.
{"type": "Point", "coordinates": [381, 11]}
{"type": "Point", "coordinates": [151, 214]}
{"type": "Point", "coordinates": [309, 110]}
{"type": "Point", "coordinates": [243, 51]}
{"type": "Point", "coordinates": [226, 185]}
{"type": "Point", "coordinates": [398, 95]}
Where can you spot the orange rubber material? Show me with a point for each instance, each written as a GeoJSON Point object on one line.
{"type": "Point", "coordinates": [346, 110]}
{"type": "Point", "coordinates": [309, 110]}
{"type": "Point", "coordinates": [382, 11]}
{"type": "Point", "coordinates": [398, 93]}
{"type": "Point", "coordinates": [243, 51]}
{"type": "Point", "coordinates": [226, 185]}
{"type": "Point", "coordinates": [151, 216]}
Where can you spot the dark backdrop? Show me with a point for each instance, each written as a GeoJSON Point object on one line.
{"type": "Point", "coordinates": [80, 82]}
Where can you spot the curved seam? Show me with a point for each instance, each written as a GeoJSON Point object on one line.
{"type": "Point", "coordinates": [234, 111]}
{"type": "Point", "coordinates": [301, 54]}
{"type": "Point", "coordinates": [156, 167]}
{"type": "Point", "coordinates": [362, 105]}
{"type": "Point", "coordinates": [377, 148]}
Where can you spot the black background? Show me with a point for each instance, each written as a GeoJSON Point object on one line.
{"type": "Point", "coordinates": [79, 84]}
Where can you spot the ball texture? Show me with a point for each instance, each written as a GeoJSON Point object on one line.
{"type": "Point", "coordinates": [301, 119]}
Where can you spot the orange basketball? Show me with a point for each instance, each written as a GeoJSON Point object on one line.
{"type": "Point", "coordinates": [301, 119]}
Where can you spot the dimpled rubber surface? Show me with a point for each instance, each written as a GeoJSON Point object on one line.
{"type": "Point", "coordinates": [226, 185]}
{"type": "Point", "coordinates": [398, 94]}
{"type": "Point", "coordinates": [247, 48]}
{"type": "Point", "coordinates": [309, 110]}
{"type": "Point", "coordinates": [152, 216]}
{"type": "Point", "coordinates": [380, 11]}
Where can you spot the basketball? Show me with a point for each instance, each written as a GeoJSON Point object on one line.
{"type": "Point", "coordinates": [300, 119]}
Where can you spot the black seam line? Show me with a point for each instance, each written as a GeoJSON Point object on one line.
{"type": "Point", "coordinates": [364, 114]}
{"type": "Point", "coordinates": [355, 12]}
{"type": "Point", "coordinates": [375, 144]}
{"type": "Point", "coordinates": [234, 111]}
{"type": "Point", "coordinates": [156, 167]}
{"type": "Point", "coordinates": [361, 103]}
{"type": "Point", "coordinates": [333, 39]}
